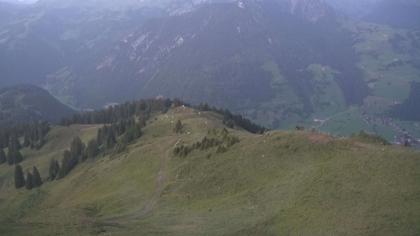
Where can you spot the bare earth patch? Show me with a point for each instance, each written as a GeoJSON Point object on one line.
{"type": "Point", "coordinates": [320, 138]}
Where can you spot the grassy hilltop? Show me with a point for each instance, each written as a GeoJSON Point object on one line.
{"type": "Point", "coordinates": [278, 183]}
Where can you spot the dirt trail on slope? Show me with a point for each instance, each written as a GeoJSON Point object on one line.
{"type": "Point", "coordinates": [154, 199]}
{"type": "Point", "coordinates": [160, 184]}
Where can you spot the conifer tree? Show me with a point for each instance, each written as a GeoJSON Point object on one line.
{"type": "Point", "coordinates": [54, 169]}
{"type": "Point", "coordinates": [110, 138]}
{"type": "Point", "coordinates": [14, 156]}
{"type": "Point", "coordinates": [77, 148]}
{"type": "Point", "coordinates": [100, 136]}
{"type": "Point", "coordinates": [10, 156]}
{"type": "Point", "coordinates": [19, 178]}
{"type": "Point", "coordinates": [26, 140]}
{"type": "Point", "coordinates": [14, 143]}
{"type": "Point", "coordinates": [37, 181]}
{"type": "Point", "coordinates": [67, 164]}
{"type": "Point", "coordinates": [18, 157]}
{"type": "Point", "coordinates": [92, 149]}
{"type": "Point", "coordinates": [29, 181]}
{"type": "Point", "coordinates": [178, 127]}
{"type": "Point", "coordinates": [2, 156]}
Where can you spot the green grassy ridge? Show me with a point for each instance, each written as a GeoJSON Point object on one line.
{"type": "Point", "coordinates": [279, 183]}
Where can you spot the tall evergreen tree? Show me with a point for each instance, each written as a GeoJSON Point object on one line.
{"type": "Point", "coordinates": [100, 137]}
{"type": "Point", "coordinates": [19, 178]}
{"type": "Point", "coordinates": [3, 139]}
{"type": "Point", "coordinates": [10, 156]}
{"type": "Point", "coordinates": [67, 164]}
{"type": "Point", "coordinates": [53, 170]}
{"type": "Point", "coordinates": [29, 181]}
{"type": "Point", "coordinates": [92, 149]}
{"type": "Point", "coordinates": [14, 143]}
{"type": "Point", "coordinates": [37, 181]}
{"type": "Point", "coordinates": [18, 157]}
{"type": "Point", "coordinates": [26, 141]}
{"type": "Point", "coordinates": [2, 156]}
{"type": "Point", "coordinates": [76, 148]}
{"type": "Point", "coordinates": [110, 138]}
{"type": "Point", "coordinates": [13, 154]}
{"type": "Point", "coordinates": [178, 127]}
{"type": "Point", "coordinates": [14, 157]}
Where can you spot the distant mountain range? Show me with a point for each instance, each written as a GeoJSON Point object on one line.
{"type": "Point", "coordinates": [279, 62]}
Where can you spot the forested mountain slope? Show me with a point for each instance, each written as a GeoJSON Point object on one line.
{"type": "Point", "coordinates": [27, 103]}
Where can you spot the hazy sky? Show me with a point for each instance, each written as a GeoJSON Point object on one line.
{"type": "Point", "coordinates": [20, 1]}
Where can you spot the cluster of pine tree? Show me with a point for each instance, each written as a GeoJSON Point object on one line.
{"type": "Point", "coordinates": [13, 153]}
{"type": "Point", "coordinates": [231, 120]}
{"type": "Point", "coordinates": [216, 138]}
{"type": "Point", "coordinates": [33, 180]}
{"type": "Point", "coordinates": [34, 135]}
{"type": "Point", "coordinates": [129, 129]}
{"type": "Point", "coordinates": [113, 137]}
{"type": "Point", "coordinates": [123, 124]}
{"type": "Point", "coordinates": [75, 155]}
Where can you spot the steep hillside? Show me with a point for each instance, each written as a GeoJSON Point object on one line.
{"type": "Point", "coordinates": [215, 68]}
{"type": "Point", "coordinates": [26, 103]}
{"type": "Point", "coordinates": [278, 62]}
{"type": "Point", "coordinates": [278, 183]}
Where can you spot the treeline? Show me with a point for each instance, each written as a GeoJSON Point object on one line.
{"type": "Point", "coordinates": [33, 134]}
{"type": "Point", "coordinates": [232, 120]}
{"type": "Point", "coordinates": [144, 108]}
{"type": "Point", "coordinates": [113, 114]}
